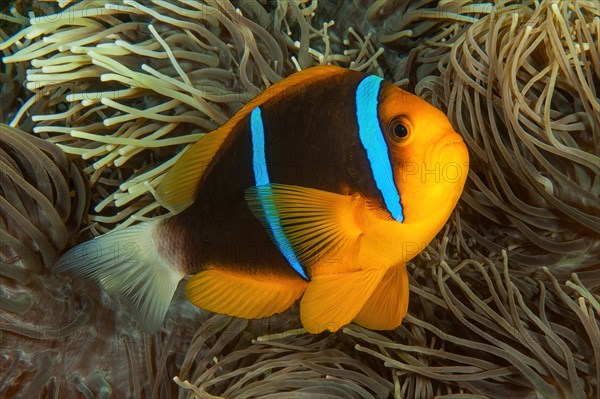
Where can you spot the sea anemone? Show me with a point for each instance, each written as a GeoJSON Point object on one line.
{"type": "Point", "coordinates": [40, 217]}
{"type": "Point", "coordinates": [201, 63]}
{"type": "Point", "coordinates": [11, 75]}
{"type": "Point", "coordinates": [522, 85]}
{"type": "Point", "coordinates": [472, 331]}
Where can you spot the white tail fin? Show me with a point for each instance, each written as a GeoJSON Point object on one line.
{"type": "Point", "coordinates": [126, 263]}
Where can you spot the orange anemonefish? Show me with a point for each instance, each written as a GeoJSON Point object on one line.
{"type": "Point", "coordinates": [322, 187]}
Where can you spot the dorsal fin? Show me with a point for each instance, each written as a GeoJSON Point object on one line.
{"type": "Point", "coordinates": [177, 190]}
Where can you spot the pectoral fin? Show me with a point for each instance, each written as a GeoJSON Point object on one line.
{"type": "Point", "coordinates": [333, 300]}
{"type": "Point", "coordinates": [241, 295]}
{"type": "Point", "coordinates": [313, 223]}
{"type": "Point", "coordinates": [388, 305]}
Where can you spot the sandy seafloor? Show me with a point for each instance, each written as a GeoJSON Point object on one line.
{"type": "Point", "coordinates": [504, 303]}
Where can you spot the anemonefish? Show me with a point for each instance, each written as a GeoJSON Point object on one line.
{"type": "Point", "coordinates": [320, 188]}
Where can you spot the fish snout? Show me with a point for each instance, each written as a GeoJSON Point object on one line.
{"type": "Point", "coordinates": [451, 157]}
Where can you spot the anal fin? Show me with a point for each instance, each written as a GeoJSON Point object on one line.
{"type": "Point", "coordinates": [388, 305]}
{"type": "Point", "coordinates": [333, 300]}
{"type": "Point", "coordinates": [242, 295]}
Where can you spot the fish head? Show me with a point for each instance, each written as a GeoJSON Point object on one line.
{"type": "Point", "coordinates": [429, 159]}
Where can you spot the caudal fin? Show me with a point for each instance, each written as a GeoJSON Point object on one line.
{"type": "Point", "coordinates": [126, 264]}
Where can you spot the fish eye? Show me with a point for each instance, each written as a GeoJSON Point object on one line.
{"type": "Point", "coordinates": [398, 130]}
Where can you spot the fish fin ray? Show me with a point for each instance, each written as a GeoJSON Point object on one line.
{"type": "Point", "coordinates": [241, 295]}
{"type": "Point", "coordinates": [318, 224]}
{"type": "Point", "coordinates": [124, 263]}
{"type": "Point", "coordinates": [388, 305]}
{"type": "Point", "coordinates": [298, 79]}
{"type": "Point", "coordinates": [333, 300]}
{"type": "Point", "coordinates": [177, 190]}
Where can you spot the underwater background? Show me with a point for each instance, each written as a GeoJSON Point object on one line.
{"type": "Point", "coordinates": [98, 99]}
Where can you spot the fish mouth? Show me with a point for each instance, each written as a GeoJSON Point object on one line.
{"type": "Point", "coordinates": [451, 142]}
{"type": "Point", "coordinates": [451, 139]}
{"type": "Point", "coordinates": [449, 154]}
{"type": "Point", "coordinates": [457, 147]}
{"type": "Point", "coordinates": [449, 148]}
